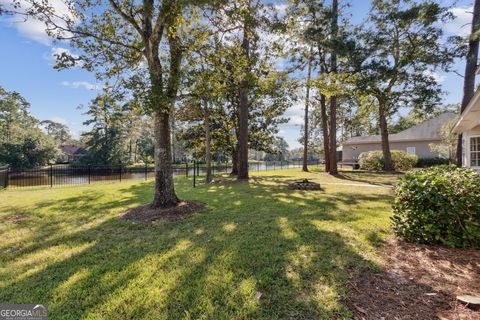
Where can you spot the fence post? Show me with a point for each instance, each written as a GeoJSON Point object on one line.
{"type": "Point", "coordinates": [198, 169]}
{"type": "Point", "coordinates": [51, 176]}
{"type": "Point", "coordinates": [89, 173]}
{"type": "Point", "coordinates": [146, 172]}
{"type": "Point", "coordinates": [121, 172]}
{"type": "Point", "coordinates": [194, 173]}
{"type": "Point", "coordinates": [186, 169]}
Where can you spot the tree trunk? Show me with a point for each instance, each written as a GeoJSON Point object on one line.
{"type": "Point", "coordinates": [243, 134]}
{"type": "Point", "coordinates": [307, 101]}
{"type": "Point", "coordinates": [234, 162]}
{"type": "Point", "coordinates": [164, 195]}
{"type": "Point", "coordinates": [333, 99]}
{"type": "Point", "coordinates": [130, 150]}
{"type": "Point", "coordinates": [333, 136]}
{"type": "Point", "coordinates": [136, 151]}
{"type": "Point", "coordinates": [163, 96]}
{"type": "Point", "coordinates": [243, 112]}
{"type": "Point", "coordinates": [208, 154]}
{"type": "Point", "coordinates": [470, 70]}
{"type": "Point", "coordinates": [172, 120]}
{"type": "Point", "coordinates": [326, 139]}
{"type": "Point", "coordinates": [382, 120]}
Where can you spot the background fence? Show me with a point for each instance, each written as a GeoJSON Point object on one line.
{"type": "Point", "coordinates": [4, 177]}
{"type": "Point", "coordinates": [55, 175]}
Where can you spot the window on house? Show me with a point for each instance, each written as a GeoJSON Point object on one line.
{"type": "Point", "coordinates": [411, 150]}
{"type": "Point", "coordinates": [475, 152]}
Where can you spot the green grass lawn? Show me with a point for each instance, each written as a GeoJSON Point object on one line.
{"type": "Point", "coordinates": [259, 250]}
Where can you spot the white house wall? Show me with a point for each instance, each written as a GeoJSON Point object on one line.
{"type": "Point", "coordinates": [466, 145]}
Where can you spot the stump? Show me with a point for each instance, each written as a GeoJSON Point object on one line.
{"type": "Point", "coordinates": [304, 185]}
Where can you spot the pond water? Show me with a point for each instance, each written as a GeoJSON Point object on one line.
{"type": "Point", "coordinates": [65, 175]}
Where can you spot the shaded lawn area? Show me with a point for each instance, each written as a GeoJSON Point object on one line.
{"type": "Point", "coordinates": [257, 251]}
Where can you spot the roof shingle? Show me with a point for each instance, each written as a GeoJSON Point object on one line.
{"type": "Point", "coordinates": [428, 130]}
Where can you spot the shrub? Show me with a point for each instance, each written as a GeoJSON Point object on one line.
{"type": "Point", "coordinates": [373, 160]}
{"type": "Point", "coordinates": [438, 205]}
{"type": "Point", "coordinates": [403, 161]}
{"type": "Point", "coordinates": [430, 162]}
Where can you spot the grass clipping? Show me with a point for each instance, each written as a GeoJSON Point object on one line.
{"type": "Point", "coordinates": [145, 213]}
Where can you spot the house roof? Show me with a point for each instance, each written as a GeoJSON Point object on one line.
{"type": "Point", "coordinates": [70, 149]}
{"type": "Point", "coordinates": [470, 117]}
{"type": "Point", "coordinates": [428, 130]}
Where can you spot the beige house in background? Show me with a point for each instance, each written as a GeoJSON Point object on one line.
{"type": "Point", "coordinates": [469, 126]}
{"type": "Point", "coordinates": [415, 140]}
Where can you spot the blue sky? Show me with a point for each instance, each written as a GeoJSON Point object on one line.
{"type": "Point", "coordinates": [26, 66]}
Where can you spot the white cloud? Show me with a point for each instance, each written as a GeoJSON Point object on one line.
{"type": "Point", "coordinates": [77, 134]}
{"type": "Point", "coordinates": [281, 9]}
{"type": "Point", "coordinates": [33, 28]}
{"type": "Point", "coordinates": [296, 114]}
{"type": "Point", "coordinates": [59, 120]}
{"type": "Point", "coordinates": [435, 75]}
{"type": "Point", "coordinates": [80, 84]}
{"type": "Point", "coordinates": [462, 24]}
{"type": "Point", "coordinates": [51, 56]}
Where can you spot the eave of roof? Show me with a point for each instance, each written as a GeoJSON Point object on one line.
{"type": "Point", "coordinates": [470, 117]}
{"type": "Point", "coordinates": [390, 140]}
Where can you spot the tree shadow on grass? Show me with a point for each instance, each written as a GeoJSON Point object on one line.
{"type": "Point", "coordinates": [387, 179]}
{"type": "Point", "coordinates": [251, 254]}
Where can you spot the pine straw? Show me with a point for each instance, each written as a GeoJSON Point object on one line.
{"type": "Point", "coordinates": [418, 282]}
{"type": "Point", "coordinates": [145, 213]}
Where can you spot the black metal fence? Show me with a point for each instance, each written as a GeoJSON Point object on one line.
{"type": "Point", "coordinates": [4, 177]}
{"type": "Point", "coordinates": [55, 175]}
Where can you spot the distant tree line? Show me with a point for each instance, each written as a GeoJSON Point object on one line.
{"type": "Point", "coordinates": [23, 143]}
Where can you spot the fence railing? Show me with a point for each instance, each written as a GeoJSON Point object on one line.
{"type": "Point", "coordinates": [55, 175]}
{"type": "Point", "coordinates": [4, 177]}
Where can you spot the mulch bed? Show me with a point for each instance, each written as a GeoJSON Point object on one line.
{"type": "Point", "coordinates": [418, 282]}
{"type": "Point", "coordinates": [145, 213]}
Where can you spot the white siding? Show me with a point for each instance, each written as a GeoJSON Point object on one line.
{"type": "Point", "coordinates": [467, 151]}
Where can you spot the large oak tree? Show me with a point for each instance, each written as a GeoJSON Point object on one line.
{"type": "Point", "coordinates": [124, 37]}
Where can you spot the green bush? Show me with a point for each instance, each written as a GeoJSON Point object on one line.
{"type": "Point", "coordinates": [403, 161]}
{"type": "Point", "coordinates": [438, 205]}
{"type": "Point", "coordinates": [430, 162]}
{"type": "Point", "coordinates": [373, 160]}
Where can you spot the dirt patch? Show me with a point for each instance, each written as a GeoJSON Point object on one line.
{"type": "Point", "coordinates": [14, 218]}
{"type": "Point", "coordinates": [145, 213]}
{"type": "Point", "coordinates": [418, 282]}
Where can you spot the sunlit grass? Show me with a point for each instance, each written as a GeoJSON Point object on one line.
{"type": "Point", "coordinates": [259, 250]}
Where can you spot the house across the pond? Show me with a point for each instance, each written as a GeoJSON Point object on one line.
{"type": "Point", "coordinates": [415, 140]}
{"type": "Point", "coordinates": [71, 153]}
{"type": "Point", "coordinates": [469, 126]}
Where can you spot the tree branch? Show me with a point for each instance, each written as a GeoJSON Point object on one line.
{"type": "Point", "coordinates": [128, 18]}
